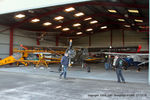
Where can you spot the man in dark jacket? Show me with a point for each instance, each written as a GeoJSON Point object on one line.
{"type": "Point", "coordinates": [108, 62]}
{"type": "Point", "coordinates": [64, 63]}
{"type": "Point", "coordinates": [119, 67]}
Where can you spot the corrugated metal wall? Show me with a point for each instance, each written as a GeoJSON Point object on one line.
{"type": "Point", "coordinates": [4, 42]}
{"type": "Point", "coordinates": [131, 38]}
{"type": "Point", "coordinates": [101, 39]}
{"type": "Point", "coordinates": [117, 38]}
{"type": "Point", "coordinates": [63, 42]}
{"type": "Point", "coordinates": [83, 41]}
{"type": "Point", "coordinates": [136, 38]}
{"type": "Point", "coordinates": [51, 41]}
{"type": "Point", "coordinates": [20, 37]}
{"type": "Point", "coordinates": [47, 43]}
{"type": "Point", "coordinates": [23, 37]}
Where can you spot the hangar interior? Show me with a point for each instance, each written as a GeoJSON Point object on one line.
{"type": "Point", "coordinates": [101, 24]}
{"type": "Point", "coordinates": [97, 23]}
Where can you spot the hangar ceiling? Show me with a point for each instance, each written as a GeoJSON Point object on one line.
{"type": "Point", "coordinates": [84, 18]}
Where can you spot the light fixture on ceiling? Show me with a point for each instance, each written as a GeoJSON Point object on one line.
{"type": "Point", "coordinates": [133, 11]}
{"type": "Point", "coordinates": [69, 9]}
{"type": "Point", "coordinates": [127, 25]}
{"type": "Point", "coordinates": [126, 15]}
{"type": "Point", "coordinates": [122, 20]}
{"type": "Point", "coordinates": [58, 27]}
{"type": "Point", "coordinates": [93, 22]}
{"type": "Point", "coordinates": [79, 14]}
{"type": "Point", "coordinates": [103, 27]}
{"type": "Point", "coordinates": [113, 0]}
{"type": "Point", "coordinates": [35, 20]}
{"type": "Point", "coordinates": [138, 20]}
{"type": "Point", "coordinates": [89, 29]}
{"type": "Point", "coordinates": [89, 18]}
{"type": "Point", "coordinates": [19, 16]}
{"type": "Point", "coordinates": [112, 11]}
{"type": "Point", "coordinates": [47, 24]}
{"type": "Point", "coordinates": [65, 29]}
{"type": "Point", "coordinates": [58, 18]}
{"type": "Point", "coordinates": [133, 24]}
{"type": "Point", "coordinates": [76, 25]}
{"type": "Point", "coordinates": [79, 33]}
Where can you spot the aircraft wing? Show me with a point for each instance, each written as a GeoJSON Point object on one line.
{"type": "Point", "coordinates": [143, 62]}
{"type": "Point", "coordinates": [88, 48]}
{"type": "Point", "coordinates": [107, 49]}
{"type": "Point", "coordinates": [38, 47]}
{"type": "Point", "coordinates": [36, 61]}
{"type": "Point", "coordinates": [126, 54]}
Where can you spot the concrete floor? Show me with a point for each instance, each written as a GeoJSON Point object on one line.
{"type": "Point", "coordinates": [28, 83]}
{"type": "Point", "coordinates": [97, 72]}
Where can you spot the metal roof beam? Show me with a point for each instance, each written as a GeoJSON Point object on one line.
{"type": "Point", "coordinates": [82, 4]}
{"type": "Point", "coordinates": [93, 15]}
{"type": "Point", "coordinates": [92, 26]}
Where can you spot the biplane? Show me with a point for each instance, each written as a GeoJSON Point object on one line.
{"type": "Point", "coordinates": [39, 55]}
{"type": "Point", "coordinates": [32, 56]}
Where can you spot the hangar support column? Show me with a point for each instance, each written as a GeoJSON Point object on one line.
{"type": "Point", "coordinates": [149, 71]}
{"type": "Point", "coordinates": [11, 41]}
{"type": "Point", "coordinates": [149, 60]}
{"type": "Point", "coordinates": [37, 41]}
{"type": "Point", "coordinates": [149, 54]}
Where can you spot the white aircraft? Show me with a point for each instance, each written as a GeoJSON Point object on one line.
{"type": "Point", "coordinates": [132, 58]}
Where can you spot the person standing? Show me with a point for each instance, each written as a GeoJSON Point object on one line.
{"type": "Point", "coordinates": [119, 66]}
{"type": "Point", "coordinates": [108, 62]}
{"type": "Point", "coordinates": [64, 63]}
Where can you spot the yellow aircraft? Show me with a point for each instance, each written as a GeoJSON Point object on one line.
{"type": "Point", "coordinates": [20, 56]}
{"type": "Point", "coordinates": [78, 54]}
